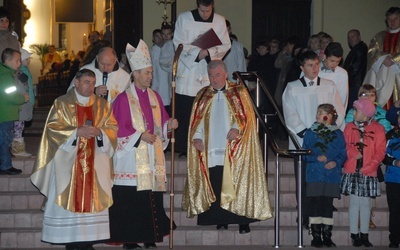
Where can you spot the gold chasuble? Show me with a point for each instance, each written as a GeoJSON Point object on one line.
{"type": "Point", "coordinates": [390, 46]}
{"type": "Point", "coordinates": [244, 186]}
{"type": "Point", "coordinates": [384, 43]}
{"type": "Point", "coordinates": [81, 186]}
{"type": "Point", "coordinates": [386, 80]}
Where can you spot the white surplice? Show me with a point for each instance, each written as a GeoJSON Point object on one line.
{"type": "Point", "coordinates": [300, 105]}
{"type": "Point", "coordinates": [192, 75]}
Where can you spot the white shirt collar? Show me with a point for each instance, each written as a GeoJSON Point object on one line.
{"type": "Point", "coordinates": [309, 80]}
{"type": "Point", "coordinates": [394, 31]}
{"type": "Point", "coordinates": [81, 99]}
{"type": "Point", "coordinates": [324, 68]}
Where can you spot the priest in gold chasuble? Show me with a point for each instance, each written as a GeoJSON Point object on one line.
{"type": "Point", "coordinates": [384, 60]}
{"type": "Point", "coordinates": [226, 182]}
{"type": "Point", "coordinates": [74, 166]}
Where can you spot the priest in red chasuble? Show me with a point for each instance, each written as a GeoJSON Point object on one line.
{"type": "Point", "coordinates": [74, 166]}
{"type": "Point", "coordinates": [226, 181]}
{"type": "Point", "coordinates": [384, 60]}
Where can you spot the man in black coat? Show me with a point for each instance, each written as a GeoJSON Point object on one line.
{"type": "Point", "coordinates": [355, 64]}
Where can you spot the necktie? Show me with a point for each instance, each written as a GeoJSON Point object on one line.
{"type": "Point", "coordinates": [311, 83]}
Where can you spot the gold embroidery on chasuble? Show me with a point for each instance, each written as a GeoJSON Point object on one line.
{"type": "Point", "coordinates": [148, 177]}
{"type": "Point", "coordinates": [114, 92]}
{"type": "Point", "coordinates": [83, 188]}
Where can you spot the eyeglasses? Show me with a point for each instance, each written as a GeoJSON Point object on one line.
{"type": "Point", "coordinates": [368, 95]}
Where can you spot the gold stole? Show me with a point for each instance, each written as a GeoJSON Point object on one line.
{"type": "Point", "coordinates": [146, 179]}
{"type": "Point", "coordinates": [83, 174]}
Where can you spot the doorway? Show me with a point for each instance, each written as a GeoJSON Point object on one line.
{"type": "Point", "coordinates": [281, 19]}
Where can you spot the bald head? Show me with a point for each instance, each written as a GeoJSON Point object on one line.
{"type": "Point", "coordinates": [106, 59]}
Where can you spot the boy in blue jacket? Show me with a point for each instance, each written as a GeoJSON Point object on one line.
{"type": "Point", "coordinates": [392, 175]}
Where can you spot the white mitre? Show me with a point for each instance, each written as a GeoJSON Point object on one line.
{"type": "Point", "coordinates": [139, 57]}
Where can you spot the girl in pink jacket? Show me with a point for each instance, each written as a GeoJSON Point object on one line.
{"type": "Point", "coordinates": [366, 148]}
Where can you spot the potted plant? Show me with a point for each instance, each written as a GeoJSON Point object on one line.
{"type": "Point", "coordinates": [40, 49]}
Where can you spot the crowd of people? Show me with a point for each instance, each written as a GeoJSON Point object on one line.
{"type": "Point", "coordinates": [17, 96]}
{"type": "Point", "coordinates": [52, 62]}
{"type": "Point", "coordinates": [101, 162]}
{"type": "Point", "coordinates": [353, 153]}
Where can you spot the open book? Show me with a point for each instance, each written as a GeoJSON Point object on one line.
{"type": "Point", "coordinates": [207, 40]}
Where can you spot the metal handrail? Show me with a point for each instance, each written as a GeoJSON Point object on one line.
{"type": "Point", "coordinates": [261, 83]}
{"type": "Point", "coordinates": [297, 153]}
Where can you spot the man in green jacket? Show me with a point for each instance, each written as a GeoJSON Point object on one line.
{"type": "Point", "coordinates": [10, 100]}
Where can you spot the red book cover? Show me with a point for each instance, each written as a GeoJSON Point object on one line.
{"type": "Point", "coordinates": [207, 40]}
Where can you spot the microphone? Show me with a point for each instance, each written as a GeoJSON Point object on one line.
{"type": "Point", "coordinates": [105, 76]}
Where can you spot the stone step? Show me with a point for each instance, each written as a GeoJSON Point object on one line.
{"type": "Point", "coordinates": [180, 167]}
{"type": "Point", "coordinates": [22, 183]}
{"type": "Point", "coordinates": [33, 200]}
{"type": "Point", "coordinates": [288, 200]}
{"type": "Point", "coordinates": [180, 171]}
{"type": "Point", "coordinates": [288, 217]}
{"type": "Point", "coordinates": [287, 182]}
{"type": "Point", "coordinates": [33, 217]}
{"type": "Point", "coordinates": [287, 178]}
{"type": "Point", "coordinates": [27, 218]}
{"type": "Point", "coordinates": [20, 200]}
{"type": "Point", "coordinates": [16, 183]}
{"type": "Point", "coordinates": [24, 238]}
{"type": "Point", "coordinates": [36, 125]}
{"type": "Point", "coordinates": [21, 217]}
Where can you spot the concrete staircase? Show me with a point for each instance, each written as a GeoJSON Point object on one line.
{"type": "Point", "coordinates": [36, 125]}
{"type": "Point", "coordinates": [21, 217]}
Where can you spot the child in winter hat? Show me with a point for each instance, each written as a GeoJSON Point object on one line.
{"type": "Point", "coordinates": [365, 106]}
